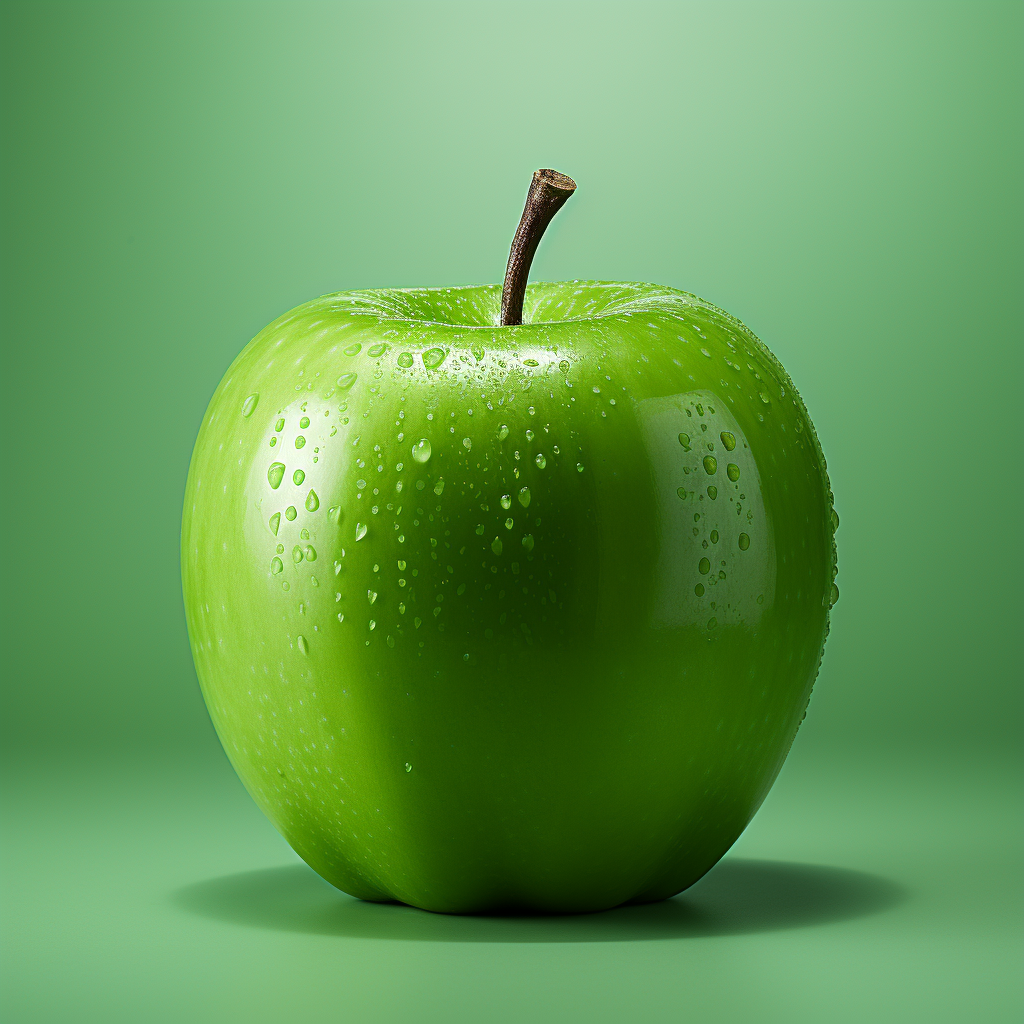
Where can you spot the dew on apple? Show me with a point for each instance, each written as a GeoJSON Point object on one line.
{"type": "Point", "coordinates": [710, 464]}
{"type": "Point", "coordinates": [433, 358]}
{"type": "Point", "coordinates": [279, 425]}
{"type": "Point", "coordinates": [743, 541]}
{"type": "Point", "coordinates": [421, 450]}
{"type": "Point", "coordinates": [503, 432]}
{"type": "Point", "coordinates": [275, 523]}
{"type": "Point", "coordinates": [506, 501]}
{"type": "Point", "coordinates": [298, 476]}
{"type": "Point", "coordinates": [249, 405]}
{"type": "Point", "coordinates": [530, 435]}
{"type": "Point", "coordinates": [467, 443]}
{"type": "Point", "coordinates": [579, 467]}
{"type": "Point", "coordinates": [312, 502]}
{"type": "Point", "coordinates": [277, 566]}
{"type": "Point", "coordinates": [310, 553]}
{"type": "Point", "coordinates": [371, 596]}
{"type": "Point", "coordinates": [275, 474]}
{"type": "Point", "coordinates": [345, 381]}
{"type": "Point", "coordinates": [353, 349]}
{"type": "Point", "coordinates": [360, 531]}
{"type": "Point", "coordinates": [732, 471]}
{"type": "Point", "coordinates": [334, 513]}
{"type": "Point", "coordinates": [405, 360]}
{"type": "Point", "coordinates": [540, 460]}
{"type": "Point", "coordinates": [297, 555]}
{"type": "Point", "coordinates": [524, 496]}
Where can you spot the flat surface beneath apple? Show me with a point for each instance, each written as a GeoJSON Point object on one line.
{"type": "Point", "coordinates": [857, 892]}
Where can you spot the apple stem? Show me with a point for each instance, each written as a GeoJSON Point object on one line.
{"type": "Point", "coordinates": [548, 192]}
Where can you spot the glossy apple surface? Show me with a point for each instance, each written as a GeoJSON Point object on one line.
{"type": "Point", "coordinates": [493, 617]}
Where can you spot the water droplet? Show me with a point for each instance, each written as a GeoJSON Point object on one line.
{"type": "Point", "coordinates": [503, 432]}
{"type": "Point", "coordinates": [714, 536]}
{"type": "Point", "coordinates": [312, 502]}
{"type": "Point", "coordinates": [417, 621]}
{"type": "Point", "coordinates": [712, 492]}
{"type": "Point", "coordinates": [373, 624]}
{"type": "Point", "coordinates": [371, 596]}
{"type": "Point", "coordinates": [249, 405]}
{"type": "Point", "coordinates": [401, 564]}
{"type": "Point", "coordinates": [496, 545]}
{"type": "Point", "coordinates": [480, 530]}
{"type": "Point", "coordinates": [334, 514]}
{"type": "Point", "coordinates": [833, 596]}
{"type": "Point", "coordinates": [378, 350]}
{"type": "Point", "coordinates": [733, 471]}
{"type": "Point", "coordinates": [524, 496]}
{"type": "Point", "coordinates": [710, 464]}
{"type": "Point", "coordinates": [682, 492]}
{"type": "Point", "coordinates": [346, 380]}
{"type": "Point", "coordinates": [275, 474]}
{"type": "Point", "coordinates": [310, 553]}
{"type": "Point", "coordinates": [360, 531]}
{"type": "Point", "coordinates": [528, 542]}
{"type": "Point", "coordinates": [277, 566]}
{"type": "Point", "coordinates": [729, 440]}
{"type": "Point", "coordinates": [300, 441]}
{"type": "Point", "coordinates": [405, 360]}
{"type": "Point", "coordinates": [509, 523]}
{"type": "Point", "coordinates": [296, 554]}
{"type": "Point", "coordinates": [467, 443]}
{"type": "Point", "coordinates": [835, 520]}
{"type": "Point", "coordinates": [530, 362]}
{"type": "Point", "coordinates": [408, 767]}
{"type": "Point", "coordinates": [439, 487]}
{"type": "Point", "coordinates": [290, 513]}
{"type": "Point", "coordinates": [279, 425]}
{"type": "Point", "coordinates": [579, 467]}
{"type": "Point", "coordinates": [304, 422]}
{"type": "Point", "coordinates": [684, 440]}
{"type": "Point", "coordinates": [303, 644]}
{"type": "Point", "coordinates": [564, 365]}
{"type": "Point", "coordinates": [433, 358]}
{"type": "Point", "coordinates": [353, 349]}
{"type": "Point", "coordinates": [530, 435]}
{"type": "Point", "coordinates": [704, 567]}
{"type": "Point", "coordinates": [744, 542]}
{"type": "Point", "coordinates": [540, 460]}
{"type": "Point", "coordinates": [506, 501]}
{"type": "Point", "coordinates": [275, 523]}
{"type": "Point", "coordinates": [421, 450]}
{"type": "Point", "coordinates": [699, 590]}
{"type": "Point", "coordinates": [712, 622]}
{"type": "Point", "coordinates": [298, 476]}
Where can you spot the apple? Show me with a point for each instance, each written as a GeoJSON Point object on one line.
{"type": "Point", "coordinates": [491, 614]}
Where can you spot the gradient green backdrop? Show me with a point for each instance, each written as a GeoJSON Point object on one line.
{"type": "Point", "coordinates": [846, 178]}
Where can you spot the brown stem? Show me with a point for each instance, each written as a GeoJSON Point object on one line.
{"type": "Point", "coordinates": [548, 191]}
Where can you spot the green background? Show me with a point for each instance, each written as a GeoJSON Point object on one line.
{"type": "Point", "coordinates": [845, 178]}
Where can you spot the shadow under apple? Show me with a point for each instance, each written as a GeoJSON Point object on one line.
{"type": "Point", "coordinates": [738, 896]}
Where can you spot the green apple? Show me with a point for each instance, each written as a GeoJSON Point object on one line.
{"type": "Point", "coordinates": [508, 616]}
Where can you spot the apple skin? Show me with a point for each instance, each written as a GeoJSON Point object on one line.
{"type": "Point", "coordinates": [564, 705]}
